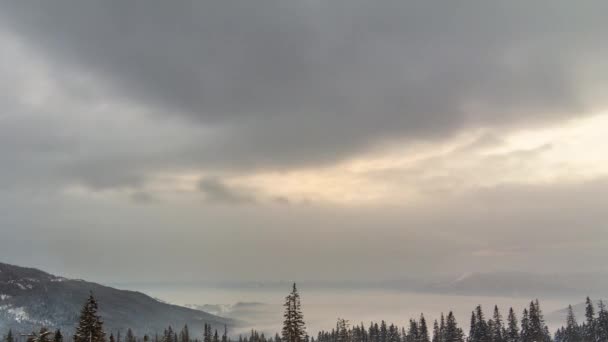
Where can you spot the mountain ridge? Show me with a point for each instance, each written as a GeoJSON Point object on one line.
{"type": "Point", "coordinates": [31, 298]}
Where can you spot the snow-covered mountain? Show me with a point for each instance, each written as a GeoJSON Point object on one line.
{"type": "Point", "coordinates": [30, 299]}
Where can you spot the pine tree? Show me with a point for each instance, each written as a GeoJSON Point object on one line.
{"type": "Point", "coordinates": [572, 332]}
{"type": "Point", "coordinates": [90, 326]}
{"type": "Point", "coordinates": [207, 337]}
{"type": "Point", "coordinates": [9, 337]}
{"type": "Point", "coordinates": [436, 334]}
{"type": "Point", "coordinates": [112, 338]}
{"type": "Point", "coordinates": [602, 323]}
{"type": "Point", "coordinates": [423, 331]}
{"type": "Point", "coordinates": [184, 335]}
{"type": "Point", "coordinates": [58, 337]}
{"type": "Point", "coordinates": [525, 327]}
{"type": "Point", "coordinates": [496, 331]}
{"type": "Point", "coordinates": [537, 330]}
{"type": "Point", "coordinates": [473, 328]}
{"type": "Point", "coordinates": [452, 332]}
{"type": "Point", "coordinates": [342, 331]}
{"type": "Point", "coordinates": [412, 333]}
{"type": "Point", "coordinates": [589, 329]}
{"type": "Point", "coordinates": [293, 326]}
{"type": "Point", "coordinates": [512, 333]}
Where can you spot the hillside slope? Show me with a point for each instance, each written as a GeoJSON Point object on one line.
{"type": "Point", "coordinates": [30, 299]}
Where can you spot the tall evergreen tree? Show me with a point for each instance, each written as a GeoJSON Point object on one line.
{"type": "Point", "coordinates": [452, 332]}
{"type": "Point", "coordinates": [497, 329]}
{"type": "Point", "coordinates": [436, 333]}
{"type": "Point", "coordinates": [207, 335]}
{"type": "Point", "coordinates": [58, 337]}
{"type": "Point", "coordinates": [473, 328]}
{"type": "Point", "coordinates": [412, 333]}
{"type": "Point", "coordinates": [590, 326]}
{"type": "Point", "coordinates": [90, 326]}
{"type": "Point", "coordinates": [423, 330]}
{"type": "Point", "coordinates": [512, 331]}
{"type": "Point", "coordinates": [537, 330]}
{"type": "Point", "coordinates": [602, 323]}
{"type": "Point", "coordinates": [572, 331]}
{"type": "Point", "coordinates": [525, 327]}
{"type": "Point", "coordinates": [294, 329]}
{"type": "Point", "coordinates": [9, 337]}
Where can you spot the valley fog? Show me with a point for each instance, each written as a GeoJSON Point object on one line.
{"type": "Point", "coordinates": [261, 308]}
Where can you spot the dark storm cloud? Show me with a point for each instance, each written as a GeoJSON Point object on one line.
{"type": "Point", "coordinates": [291, 82]}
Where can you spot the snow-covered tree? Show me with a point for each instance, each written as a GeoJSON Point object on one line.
{"type": "Point", "coordinates": [90, 326]}
{"type": "Point", "coordinates": [572, 331]}
{"type": "Point", "coordinates": [294, 329]}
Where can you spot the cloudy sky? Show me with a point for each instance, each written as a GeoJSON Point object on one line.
{"type": "Point", "coordinates": [304, 139]}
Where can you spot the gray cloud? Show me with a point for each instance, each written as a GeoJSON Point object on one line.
{"type": "Point", "coordinates": [309, 82]}
{"type": "Point", "coordinates": [142, 88]}
{"type": "Point", "coordinates": [217, 191]}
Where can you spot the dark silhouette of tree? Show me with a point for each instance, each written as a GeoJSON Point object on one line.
{"type": "Point", "coordinates": [294, 329]}
{"type": "Point", "coordinates": [90, 326]}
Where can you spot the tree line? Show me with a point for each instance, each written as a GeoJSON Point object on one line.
{"type": "Point", "coordinates": [530, 327]}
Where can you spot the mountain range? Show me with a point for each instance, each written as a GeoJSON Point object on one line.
{"type": "Point", "coordinates": [31, 299]}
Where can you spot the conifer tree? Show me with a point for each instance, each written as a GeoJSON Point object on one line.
{"type": "Point", "coordinates": [473, 328]}
{"type": "Point", "coordinates": [112, 339]}
{"type": "Point", "coordinates": [293, 326]}
{"type": "Point", "coordinates": [58, 337]}
{"type": "Point", "coordinates": [412, 333]}
{"type": "Point", "coordinates": [90, 326]}
{"type": "Point", "coordinates": [589, 329]}
{"type": "Point", "coordinates": [184, 335]}
{"type": "Point", "coordinates": [496, 331]}
{"type": "Point", "coordinates": [525, 327]}
{"type": "Point", "coordinates": [423, 331]}
{"type": "Point", "coordinates": [207, 337]}
{"type": "Point", "coordinates": [452, 332]}
{"type": "Point", "coordinates": [9, 336]}
{"type": "Point", "coordinates": [572, 332]}
{"type": "Point", "coordinates": [512, 332]}
{"type": "Point", "coordinates": [436, 335]}
{"type": "Point", "coordinates": [602, 323]}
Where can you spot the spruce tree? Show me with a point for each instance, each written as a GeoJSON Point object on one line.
{"type": "Point", "coordinates": [473, 328]}
{"type": "Point", "coordinates": [512, 332]}
{"type": "Point", "coordinates": [589, 329]}
{"type": "Point", "coordinates": [572, 332]}
{"type": "Point", "coordinates": [452, 332]}
{"type": "Point", "coordinates": [423, 331]}
{"type": "Point", "coordinates": [58, 337]}
{"type": "Point", "coordinates": [602, 323]}
{"type": "Point", "coordinates": [496, 331]}
{"type": "Point", "coordinates": [525, 327]}
{"type": "Point", "coordinates": [436, 334]}
{"type": "Point", "coordinates": [9, 337]}
{"type": "Point", "coordinates": [90, 326]}
{"type": "Point", "coordinates": [537, 330]}
{"type": "Point", "coordinates": [412, 333]}
{"type": "Point", "coordinates": [293, 326]}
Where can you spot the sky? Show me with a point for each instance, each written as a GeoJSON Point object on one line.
{"type": "Point", "coordinates": [151, 140]}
